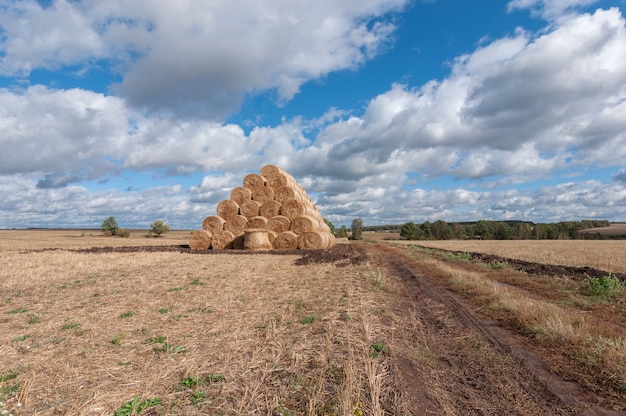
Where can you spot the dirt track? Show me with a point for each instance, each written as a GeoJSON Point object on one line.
{"type": "Point", "coordinates": [471, 366]}
{"type": "Point", "coordinates": [448, 359]}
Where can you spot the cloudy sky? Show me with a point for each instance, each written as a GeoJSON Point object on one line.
{"type": "Point", "coordinates": [387, 110]}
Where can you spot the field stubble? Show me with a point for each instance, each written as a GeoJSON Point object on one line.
{"type": "Point", "coordinates": [86, 333]}
{"type": "Point", "coordinates": [609, 255]}
{"type": "Point", "coordinates": [228, 334]}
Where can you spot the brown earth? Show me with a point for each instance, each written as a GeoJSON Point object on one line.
{"type": "Point", "coordinates": [351, 254]}
{"type": "Point", "coordinates": [450, 360]}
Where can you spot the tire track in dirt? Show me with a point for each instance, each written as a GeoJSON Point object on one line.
{"type": "Point", "coordinates": [473, 366]}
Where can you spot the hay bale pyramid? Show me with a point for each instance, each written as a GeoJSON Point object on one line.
{"type": "Point", "coordinates": [270, 211]}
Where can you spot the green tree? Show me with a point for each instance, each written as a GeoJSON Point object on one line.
{"type": "Point", "coordinates": [357, 229]}
{"type": "Point", "coordinates": [427, 230]}
{"type": "Point", "coordinates": [110, 226]}
{"type": "Point", "coordinates": [522, 230]}
{"type": "Point", "coordinates": [484, 229]}
{"type": "Point", "coordinates": [158, 228]}
{"type": "Point", "coordinates": [342, 233]}
{"type": "Point", "coordinates": [411, 231]}
{"type": "Point", "coordinates": [330, 225]}
{"type": "Point", "coordinates": [458, 231]}
{"type": "Point", "coordinates": [503, 231]}
{"type": "Point", "coordinates": [441, 230]}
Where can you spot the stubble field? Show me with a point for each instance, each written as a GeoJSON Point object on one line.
{"type": "Point", "coordinates": [367, 330]}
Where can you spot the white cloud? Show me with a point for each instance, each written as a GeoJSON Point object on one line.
{"type": "Point", "coordinates": [45, 37]}
{"type": "Point", "coordinates": [548, 9]}
{"type": "Point", "coordinates": [25, 205]}
{"type": "Point", "coordinates": [61, 132]}
{"type": "Point", "coordinates": [519, 109]}
{"type": "Point", "coordinates": [516, 106]}
{"type": "Point", "coordinates": [189, 57]}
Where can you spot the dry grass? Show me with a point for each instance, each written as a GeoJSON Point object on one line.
{"type": "Point", "coordinates": [609, 255]}
{"type": "Point", "coordinates": [215, 334]}
{"type": "Point", "coordinates": [19, 240]}
{"type": "Point", "coordinates": [552, 315]}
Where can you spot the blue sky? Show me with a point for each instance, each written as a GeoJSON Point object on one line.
{"type": "Point", "coordinates": [387, 110]}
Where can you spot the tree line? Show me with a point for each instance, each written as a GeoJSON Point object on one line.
{"type": "Point", "coordinates": [499, 230]}
{"type": "Point", "coordinates": [483, 230]}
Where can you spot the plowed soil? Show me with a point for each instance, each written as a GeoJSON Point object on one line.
{"type": "Point", "coordinates": [453, 361]}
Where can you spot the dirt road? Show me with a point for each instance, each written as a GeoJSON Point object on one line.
{"type": "Point", "coordinates": [456, 363]}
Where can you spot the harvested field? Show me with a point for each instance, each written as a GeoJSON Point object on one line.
{"type": "Point", "coordinates": [87, 326]}
{"type": "Point", "coordinates": [608, 255]}
{"type": "Point", "coordinates": [611, 230]}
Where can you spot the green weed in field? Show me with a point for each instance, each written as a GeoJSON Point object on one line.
{"type": "Point", "coordinates": [70, 325]}
{"type": "Point", "coordinates": [136, 406]}
{"type": "Point", "coordinates": [497, 265]}
{"type": "Point", "coordinates": [603, 287]}
{"type": "Point", "coordinates": [308, 319]}
{"type": "Point", "coordinates": [158, 339]}
{"type": "Point", "coordinates": [117, 339]}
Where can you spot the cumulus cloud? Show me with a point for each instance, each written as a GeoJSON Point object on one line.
{"type": "Point", "coordinates": [620, 176]}
{"type": "Point", "coordinates": [518, 106]}
{"type": "Point", "coordinates": [519, 109]}
{"type": "Point", "coordinates": [61, 132]}
{"type": "Point", "coordinates": [229, 49]}
{"type": "Point", "coordinates": [24, 205]}
{"type": "Point", "coordinates": [549, 9]}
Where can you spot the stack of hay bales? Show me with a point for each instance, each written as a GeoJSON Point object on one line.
{"type": "Point", "coordinates": [270, 211]}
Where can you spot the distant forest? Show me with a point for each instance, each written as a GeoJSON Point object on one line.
{"type": "Point", "coordinates": [497, 230]}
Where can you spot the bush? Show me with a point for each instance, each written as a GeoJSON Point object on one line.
{"type": "Point", "coordinates": [411, 231]}
{"type": "Point", "coordinates": [357, 229]}
{"type": "Point", "coordinates": [159, 227]}
{"type": "Point", "coordinates": [123, 232]}
{"type": "Point", "coordinates": [109, 226]}
{"type": "Point", "coordinates": [605, 286]}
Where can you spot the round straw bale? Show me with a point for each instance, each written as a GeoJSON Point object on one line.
{"type": "Point", "coordinates": [270, 209]}
{"type": "Point", "coordinates": [272, 235]}
{"type": "Point", "coordinates": [240, 195]}
{"type": "Point", "coordinates": [200, 240]}
{"type": "Point", "coordinates": [222, 240]}
{"type": "Point", "coordinates": [238, 241]}
{"type": "Point", "coordinates": [277, 180]}
{"type": "Point", "coordinates": [313, 241]}
{"type": "Point", "coordinates": [253, 180]}
{"type": "Point", "coordinates": [227, 208]}
{"type": "Point", "coordinates": [286, 193]}
{"type": "Point", "coordinates": [250, 209]}
{"type": "Point", "coordinates": [213, 224]}
{"type": "Point", "coordinates": [236, 224]}
{"type": "Point", "coordinates": [262, 194]}
{"type": "Point", "coordinates": [279, 223]}
{"type": "Point", "coordinates": [258, 222]}
{"type": "Point", "coordinates": [304, 224]}
{"type": "Point", "coordinates": [269, 170]}
{"type": "Point", "coordinates": [255, 239]}
{"type": "Point", "coordinates": [293, 208]}
{"type": "Point", "coordinates": [286, 241]}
